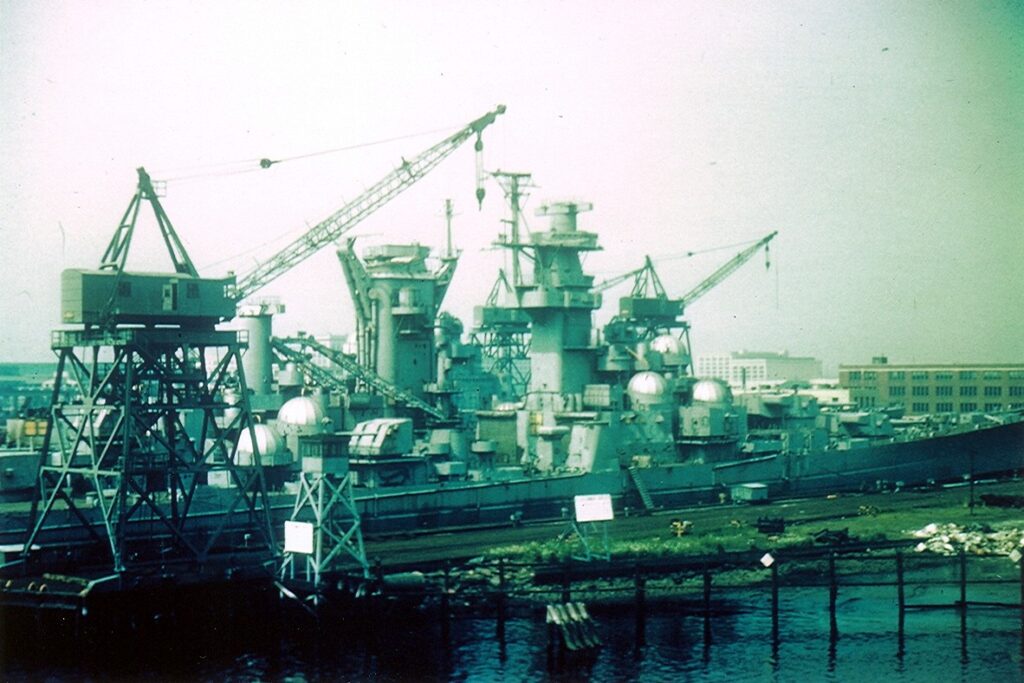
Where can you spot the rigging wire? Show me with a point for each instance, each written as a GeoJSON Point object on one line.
{"type": "Point", "coordinates": [265, 162]}
{"type": "Point", "coordinates": [688, 254]}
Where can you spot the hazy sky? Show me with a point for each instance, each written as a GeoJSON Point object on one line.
{"type": "Point", "coordinates": [884, 141]}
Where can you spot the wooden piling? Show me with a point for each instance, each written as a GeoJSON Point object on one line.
{"type": "Point", "coordinates": [707, 606]}
{"type": "Point", "coordinates": [502, 601]}
{"type": "Point", "coordinates": [833, 593]}
{"type": "Point", "coordinates": [446, 603]}
{"type": "Point", "coordinates": [963, 580]}
{"type": "Point", "coordinates": [640, 598]}
{"type": "Point", "coordinates": [566, 592]}
{"type": "Point", "coordinates": [775, 602]}
{"type": "Point", "coordinates": [900, 592]}
{"type": "Point", "coordinates": [1022, 607]}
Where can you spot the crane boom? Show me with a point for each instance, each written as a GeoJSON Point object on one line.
{"type": "Point", "coordinates": [343, 220]}
{"type": "Point", "coordinates": [645, 278]}
{"type": "Point", "coordinates": [726, 269]}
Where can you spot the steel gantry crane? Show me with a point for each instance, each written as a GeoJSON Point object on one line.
{"type": "Point", "coordinates": [149, 402]}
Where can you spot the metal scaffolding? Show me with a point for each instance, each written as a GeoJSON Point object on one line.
{"type": "Point", "coordinates": [154, 414]}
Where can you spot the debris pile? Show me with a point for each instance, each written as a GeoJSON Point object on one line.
{"type": "Point", "coordinates": [950, 539]}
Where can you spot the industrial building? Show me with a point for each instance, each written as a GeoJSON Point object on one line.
{"type": "Point", "coordinates": [748, 368]}
{"type": "Point", "coordinates": [936, 388]}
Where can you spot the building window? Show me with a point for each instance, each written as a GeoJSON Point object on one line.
{"type": "Point", "coordinates": [897, 391]}
{"type": "Point", "coordinates": [944, 375]}
{"type": "Point", "coordinates": [991, 374]}
{"type": "Point", "coordinates": [919, 375]}
{"type": "Point", "coordinates": [919, 391]}
{"type": "Point", "coordinates": [1017, 391]}
{"type": "Point", "coordinates": [993, 407]}
{"type": "Point", "coordinates": [993, 391]}
{"type": "Point", "coordinates": [1017, 406]}
{"type": "Point", "coordinates": [919, 407]}
{"type": "Point", "coordinates": [968, 407]}
{"type": "Point", "coordinates": [854, 374]}
{"type": "Point", "coordinates": [969, 391]}
{"type": "Point", "coordinates": [897, 374]}
{"type": "Point", "coordinates": [1015, 374]}
{"type": "Point", "coordinates": [944, 407]}
{"type": "Point", "coordinates": [968, 374]}
{"type": "Point", "coordinates": [869, 375]}
{"type": "Point", "coordinates": [944, 391]}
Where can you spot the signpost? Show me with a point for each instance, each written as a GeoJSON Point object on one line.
{"type": "Point", "coordinates": [589, 511]}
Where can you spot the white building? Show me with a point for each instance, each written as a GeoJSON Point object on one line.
{"type": "Point", "coordinates": [749, 368]}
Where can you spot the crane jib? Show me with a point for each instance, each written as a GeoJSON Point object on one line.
{"type": "Point", "coordinates": [346, 218]}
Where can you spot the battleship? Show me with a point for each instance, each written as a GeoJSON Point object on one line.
{"type": "Point", "coordinates": [177, 414]}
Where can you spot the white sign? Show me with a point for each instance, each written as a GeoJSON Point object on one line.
{"type": "Point", "coordinates": [298, 537]}
{"type": "Point", "coordinates": [595, 508]}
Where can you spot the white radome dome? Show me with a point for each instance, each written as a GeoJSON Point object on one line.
{"type": "Point", "coordinates": [301, 411]}
{"type": "Point", "coordinates": [647, 388]}
{"type": "Point", "coordinates": [712, 391]}
{"type": "Point", "coordinates": [672, 349]}
{"type": "Point", "coordinates": [267, 440]}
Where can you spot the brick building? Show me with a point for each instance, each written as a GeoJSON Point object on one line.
{"type": "Point", "coordinates": [936, 388]}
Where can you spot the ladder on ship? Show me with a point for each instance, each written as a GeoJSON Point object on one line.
{"type": "Point", "coordinates": [641, 488]}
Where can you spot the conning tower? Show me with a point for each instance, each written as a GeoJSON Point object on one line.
{"type": "Point", "coordinates": [560, 304]}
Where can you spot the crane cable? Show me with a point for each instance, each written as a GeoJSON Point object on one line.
{"type": "Point", "coordinates": [265, 162]}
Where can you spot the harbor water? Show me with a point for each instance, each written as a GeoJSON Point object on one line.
{"type": "Point", "coordinates": [936, 645]}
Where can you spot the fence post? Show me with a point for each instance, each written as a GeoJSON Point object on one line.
{"type": "Point", "coordinates": [566, 592]}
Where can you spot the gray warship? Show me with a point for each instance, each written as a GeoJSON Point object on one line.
{"type": "Point", "coordinates": [174, 401]}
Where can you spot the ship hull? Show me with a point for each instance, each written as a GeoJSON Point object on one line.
{"type": "Point", "coordinates": [982, 452]}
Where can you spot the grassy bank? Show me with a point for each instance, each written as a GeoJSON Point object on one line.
{"type": "Point", "coordinates": [735, 530]}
